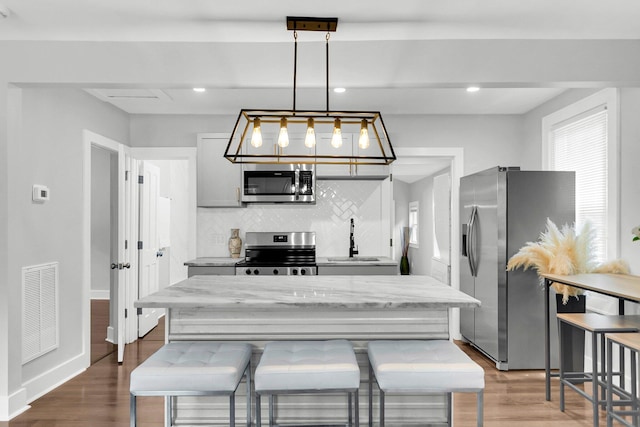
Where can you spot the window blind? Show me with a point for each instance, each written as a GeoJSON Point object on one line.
{"type": "Point", "coordinates": [580, 144]}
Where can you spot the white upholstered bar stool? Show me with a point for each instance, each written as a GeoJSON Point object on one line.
{"type": "Point", "coordinates": [423, 367]}
{"type": "Point", "coordinates": [298, 367]}
{"type": "Point", "coordinates": [200, 368]}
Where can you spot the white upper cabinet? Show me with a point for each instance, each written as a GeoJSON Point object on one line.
{"type": "Point", "coordinates": [219, 180]}
{"type": "Point", "coordinates": [349, 147]}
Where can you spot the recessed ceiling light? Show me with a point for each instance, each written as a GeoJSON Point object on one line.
{"type": "Point", "coordinates": [473, 89]}
{"type": "Point", "coordinates": [339, 90]}
{"type": "Point", "coordinates": [199, 89]}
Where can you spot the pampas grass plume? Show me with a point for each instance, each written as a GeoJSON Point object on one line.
{"type": "Point", "coordinates": [565, 252]}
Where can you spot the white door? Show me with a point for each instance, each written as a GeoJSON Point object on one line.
{"type": "Point", "coordinates": [131, 245]}
{"type": "Point", "coordinates": [120, 266]}
{"type": "Point", "coordinates": [148, 248]}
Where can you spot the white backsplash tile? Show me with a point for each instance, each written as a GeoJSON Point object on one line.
{"type": "Point", "coordinates": [336, 203]}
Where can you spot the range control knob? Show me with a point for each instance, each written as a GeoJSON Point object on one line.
{"type": "Point", "coordinates": [303, 271]}
{"type": "Point", "coordinates": [275, 271]}
{"type": "Point", "coordinates": [248, 271]}
{"type": "Point", "coordinates": [256, 271]}
{"type": "Point", "coordinates": [294, 272]}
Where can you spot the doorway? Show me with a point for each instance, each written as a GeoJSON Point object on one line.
{"type": "Point", "coordinates": [104, 199]}
{"type": "Point", "coordinates": [418, 163]}
{"type": "Point", "coordinates": [119, 253]}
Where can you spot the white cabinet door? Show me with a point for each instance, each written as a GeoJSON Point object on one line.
{"type": "Point", "coordinates": [323, 143]}
{"type": "Point", "coordinates": [219, 180]}
{"type": "Point", "coordinates": [349, 147]}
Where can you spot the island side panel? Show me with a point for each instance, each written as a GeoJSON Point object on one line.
{"type": "Point", "coordinates": [358, 326]}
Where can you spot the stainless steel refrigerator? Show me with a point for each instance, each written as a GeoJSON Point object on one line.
{"type": "Point", "coordinates": [501, 209]}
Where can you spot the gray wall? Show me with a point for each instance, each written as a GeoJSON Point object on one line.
{"type": "Point", "coordinates": [487, 140]}
{"type": "Point", "coordinates": [629, 175]}
{"type": "Point", "coordinates": [50, 152]}
{"type": "Point", "coordinates": [158, 130]}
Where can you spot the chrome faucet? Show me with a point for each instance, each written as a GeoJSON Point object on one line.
{"type": "Point", "coordinates": [353, 249]}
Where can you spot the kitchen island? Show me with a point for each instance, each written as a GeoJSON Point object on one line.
{"type": "Point", "coordinates": [266, 308]}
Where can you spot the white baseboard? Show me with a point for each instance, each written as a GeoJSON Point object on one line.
{"type": "Point", "coordinates": [47, 381]}
{"type": "Point", "coordinates": [13, 405]}
{"type": "Point", "coordinates": [111, 335]}
{"type": "Point", "coordinates": [98, 294]}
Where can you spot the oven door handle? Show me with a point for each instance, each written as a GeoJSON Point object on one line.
{"type": "Point", "coordinates": [297, 184]}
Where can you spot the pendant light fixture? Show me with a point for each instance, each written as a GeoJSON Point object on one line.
{"type": "Point", "coordinates": [309, 136]}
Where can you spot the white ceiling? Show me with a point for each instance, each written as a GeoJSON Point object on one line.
{"type": "Point", "coordinates": [251, 20]}
{"type": "Point", "coordinates": [359, 20]}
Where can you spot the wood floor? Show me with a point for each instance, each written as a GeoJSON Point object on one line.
{"type": "Point", "coordinates": [99, 397]}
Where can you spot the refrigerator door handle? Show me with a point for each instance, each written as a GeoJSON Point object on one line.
{"type": "Point", "coordinates": [471, 241]}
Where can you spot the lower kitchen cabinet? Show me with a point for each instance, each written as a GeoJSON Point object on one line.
{"type": "Point", "coordinates": [212, 266]}
{"type": "Point", "coordinates": [359, 270]}
{"type": "Point", "coordinates": [213, 271]}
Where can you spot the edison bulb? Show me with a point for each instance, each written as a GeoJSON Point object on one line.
{"type": "Point", "coordinates": [256, 135]}
{"type": "Point", "coordinates": [283, 137]}
{"type": "Point", "coordinates": [310, 138]}
{"type": "Point", "coordinates": [336, 139]}
{"type": "Point", "coordinates": [363, 141]}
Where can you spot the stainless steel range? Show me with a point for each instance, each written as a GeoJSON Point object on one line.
{"type": "Point", "coordinates": [289, 253]}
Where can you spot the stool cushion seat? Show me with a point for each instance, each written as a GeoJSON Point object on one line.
{"type": "Point", "coordinates": [307, 365]}
{"type": "Point", "coordinates": [423, 365]}
{"type": "Point", "coordinates": [192, 366]}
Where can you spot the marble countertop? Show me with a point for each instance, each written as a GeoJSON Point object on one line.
{"type": "Point", "coordinates": [293, 292]}
{"type": "Point", "coordinates": [213, 262]}
{"type": "Point", "coordinates": [356, 260]}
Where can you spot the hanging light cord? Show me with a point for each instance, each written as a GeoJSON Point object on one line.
{"type": "Point", "coordinates": [327, 71]}
{"type": "Point", "coordinates": [295, 66]}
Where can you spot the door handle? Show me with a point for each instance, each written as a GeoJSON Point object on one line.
{"type": "Point", "coordinates": [120, 266]}
{"type": "Point", "coordinates": [471, 241]}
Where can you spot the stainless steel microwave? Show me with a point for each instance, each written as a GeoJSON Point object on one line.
{"type": "Point", "coordinates": [291, 183]}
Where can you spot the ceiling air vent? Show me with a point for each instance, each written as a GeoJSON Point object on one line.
{"type": "Point", "coordinates": [118, 94]}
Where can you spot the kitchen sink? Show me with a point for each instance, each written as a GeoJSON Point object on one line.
{"type": "Point", "coordinates": [354, 259]}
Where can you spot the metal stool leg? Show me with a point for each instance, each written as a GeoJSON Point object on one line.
{"type": "Point", "coordinates": [271, 405]}
{"type": "Point", "coordinates": [634, 387]}
{"type": "Point", "coordinates": [594, 377]}
{"type": "Point", "coordinates": [248, 376]}
{"type": "Point", "coordinates": [169, 410]}
{"type": "Point", "coordinates": [350, 405]}
{"type": "Point", "coordinates": [132, 410]}
{"type": "Point", "coordinates": [560, 341]}
{"type": "Point", "coordinates": [258, 411]}
{"type": "Point", "coordinates": [357, 407]}
{"type": "Point", "coordinates": [609, 383]}
{"type": "Point", "coordinates": [381, 407]}
{"type": "Point", "coordinates": [232, 410]}
{"type": "Point", "coordinates": [449, 408]}
{"type": "Point", "coordinates": [480, 412]}
{"type": "Point", "coordinates": [370, 395]}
